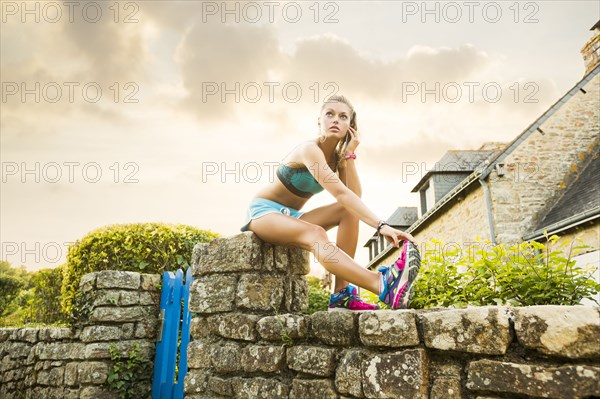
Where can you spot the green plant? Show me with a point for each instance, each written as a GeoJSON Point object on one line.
{"type": "Point", "coordinates": [524, 274]}
{"type": "Point", "coordinates": [318, 298]}
{"type": "Point", "coordinates": [126, 370]}
{"type": "Point", "coordinates": [143, 247]}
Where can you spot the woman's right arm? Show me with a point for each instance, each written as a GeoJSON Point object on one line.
{"type": "Point", "coordinates": [316, 163]}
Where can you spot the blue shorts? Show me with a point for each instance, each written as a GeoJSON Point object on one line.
{"type": "Point", "coordinates": [260, 207]}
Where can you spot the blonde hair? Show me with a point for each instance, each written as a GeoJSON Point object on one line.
{"type": "Point", "coordinates": [341, 145]}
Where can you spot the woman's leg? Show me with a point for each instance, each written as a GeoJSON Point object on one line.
{"type": "Point", "coordinates": [281, 229]}
{"type": "Point", "coordinates": [332, 215]}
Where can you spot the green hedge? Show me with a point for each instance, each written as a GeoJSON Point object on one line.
{"type": "Point", "coordinates": [143, 247]}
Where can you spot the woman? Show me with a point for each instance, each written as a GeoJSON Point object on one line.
{"type": "Point", "coordinates": [274, 214]}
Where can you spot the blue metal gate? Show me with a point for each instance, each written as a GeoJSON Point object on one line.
{"type": "Point", "coordinates": [166, 384]}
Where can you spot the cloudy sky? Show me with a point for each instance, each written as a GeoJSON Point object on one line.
{"type": "Point", "coordinates": [156, 111]}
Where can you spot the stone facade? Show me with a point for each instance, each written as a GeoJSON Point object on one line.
{"type": "Point", "coordinates": [536, 173]}
{"type": "Point", "coordinates": [250, 351]}
{"type": "Point", "coordinates": [539, 170]}
{"type": "Point", "coordinates": [61, 362]}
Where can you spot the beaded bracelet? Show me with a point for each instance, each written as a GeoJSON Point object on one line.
{"type": "Point", "coordinates": [348, 156]}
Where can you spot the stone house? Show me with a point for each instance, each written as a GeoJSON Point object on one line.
{"type": "Point", "coordinates": [545, 179]}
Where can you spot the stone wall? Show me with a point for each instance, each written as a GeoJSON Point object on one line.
{"type": "Point", "coordinates": [251, 340]}
{"type": "Point", "coordinates": [60, 362]}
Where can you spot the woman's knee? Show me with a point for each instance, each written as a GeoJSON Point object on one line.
{"type": "Point", "coordinates": [313, 235]}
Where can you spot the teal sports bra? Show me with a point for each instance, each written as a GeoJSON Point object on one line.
{"type": "Point", "coordinates": [299, 181]}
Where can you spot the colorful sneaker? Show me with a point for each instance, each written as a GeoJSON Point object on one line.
{"type": "Point", "coordinates": [347, 299]}
{"type": "Point", "coordinates": [397, 279]}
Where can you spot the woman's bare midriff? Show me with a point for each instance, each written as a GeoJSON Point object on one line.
{"type": "Point", "coordinates": [277, 192]}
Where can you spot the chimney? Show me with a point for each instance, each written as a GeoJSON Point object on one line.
{"type": "Point", "coordinates": [591, 50]}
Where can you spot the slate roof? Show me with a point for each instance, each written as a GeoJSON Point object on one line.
{"type": "Point", "coordinates": [582, 196]}
{"type": "Point", "coordinates": [456, 161]}
{"type": "Point", "coordinates": [403, 216]}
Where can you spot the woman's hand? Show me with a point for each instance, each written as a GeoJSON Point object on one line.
{"type": "Point", "coordinates": [394, 236]}
{"type": "Point", "coordinates": [354, 140]}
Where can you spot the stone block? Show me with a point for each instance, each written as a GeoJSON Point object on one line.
{"type": "Point", "coordinates": [264, 388]}
{"type": "Point", "coordinates": [150, 282]}
{"type": "Point", "coordinates": [101, 333]}
{"type": "Point", "coordinates": [446, 388]}
{"type": "Point", "coordinates": [259, 292]}
{"type": "Point", "coordinates": [268, 359]}
{"type": "Point", "coordinates": [565, 331]}
{"type": "Point", "coordinates": [100, 350]}
{"type": "Point", "coordinates": [334, 328]}
{"type": "Point", "coordinates": [87, 282]}
{"type": "Point", "coordinates": [296, 294]}
{"type": "Point", "coordinates": [146, 329]}
{"type": "Point", "coordinates": [235, 326]}
{"type": "Point", "coordinates": [282, 327]}
{"type": "Point", "coordinates": [220, 386]}
{"type": "Point", "coordinates": [117, 279]}
{"type": "Point", "coordinates": [238, 253]}
{"type": "Point", "coordinates": [121, 315]}
{"type": "Point", "coordinates": [53, 376]}
{"type": "Point", "coordinates": [149, 298]}
{"type": "Point", "coordinates": [60, 351]}
{"type": "Point", "coordinates": [348, 375]}
{"type": "Point", "coordinates": [27, 335]}
{"type": "Point", "coordinates": [199, 328]}
{"type": "Point", "coordinates": [92, 372]}
{"type": "Point", "coordinates": [199, 355]}
{"type": "Point", "coordinates": [225, 358]}
{"type": "Point", "coordinates": [71, 373]}
{"type": "Point", "coordinates": [128, 298]}
{"type": "Point", "coordinates": [402, 375]}
{"type": "Point", "coordinates": [299, 261]}
{"type": "Point", "coordinates": [569, 381]}
{"type": "Point", "coordinates": [195, 381]}
{"type": "Point", "coordinates": [481, 330]}
{"type": "Point", "coordinates": [96, 392]}
{"type": "Point", "coordinates": [388, 328]}
{"type": "Point", "coordinates": [19, 349]}
{"type": "Point", "coordinates": [213, 294]}
{"type": "Point", "coordinates": [310, 389]}
{"type": "Point", "coordinates": [107, 297]}
{"type": "Point", "coordinates": [311, 360]}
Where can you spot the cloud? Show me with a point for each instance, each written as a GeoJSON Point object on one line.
{"type": "Point", "coordinates": [218, 58]}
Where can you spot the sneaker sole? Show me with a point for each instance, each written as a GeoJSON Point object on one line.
{"type": "Point", "coordinates": [349, 310]}
{"type": "Point", "coordinates": [412, 266]}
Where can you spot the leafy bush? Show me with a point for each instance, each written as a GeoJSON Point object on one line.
{"type": "Point", "coordinates": [125, 371]}
{"type": "Point", "coordinates": [12, 281]}
{"type": "Point", "coordinates": [524, 274]}
{"type": "Point", "coordinates": [143, 247]}
{"type": "Point", "coordinates": [318, 298]}
{"type": "Point", "coordinates": [44, 305]}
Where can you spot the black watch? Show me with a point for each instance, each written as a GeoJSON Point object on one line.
{"type": "Point", "coordinates": [381, 224]}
